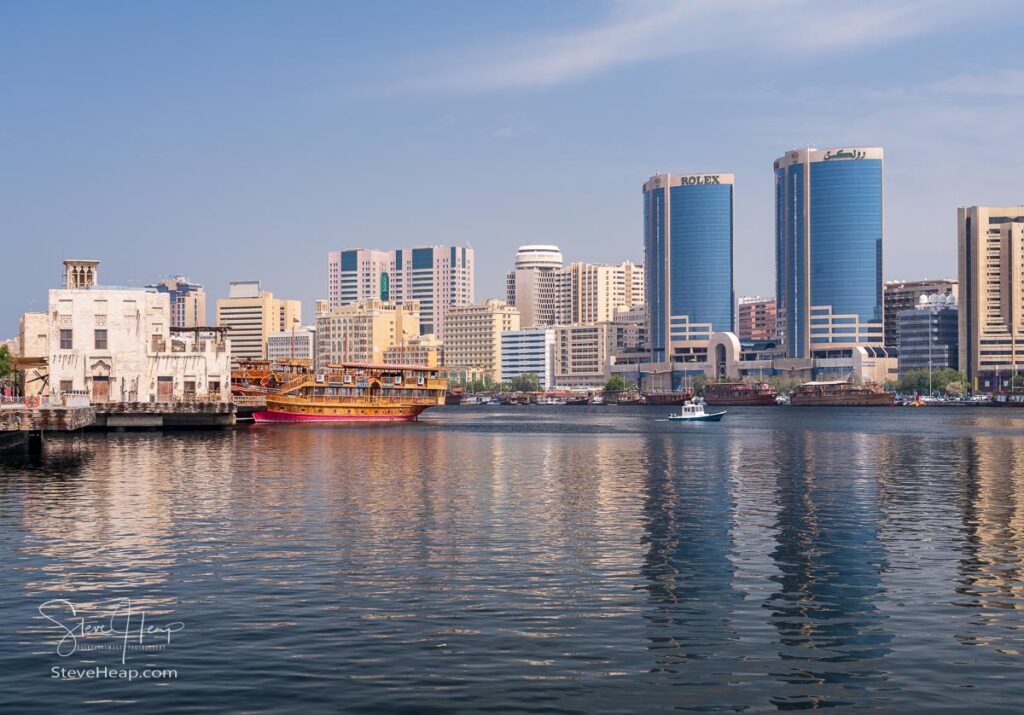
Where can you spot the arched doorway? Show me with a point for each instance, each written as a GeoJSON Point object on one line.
{"type": "Point", "coordinates": [720, 362]}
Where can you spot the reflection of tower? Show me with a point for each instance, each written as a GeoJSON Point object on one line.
{"type": "Point", "coordinates": [689, 513]}
{"type": "Point", "coordinates": [991, 572]}
{"type": "Point", "coordinates": [830, 562]}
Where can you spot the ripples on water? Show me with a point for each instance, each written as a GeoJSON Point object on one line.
{"type": "Point", "coordinates": [533, 559]}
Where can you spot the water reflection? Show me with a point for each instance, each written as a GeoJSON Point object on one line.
{"type": "Point", "coordinates": [991, 573]}
{"type": "Point", "coordinates": [831, 631]}
{"type": "Point", "coordinates": [487, 560]}
{"type": "Point", "coordinates": [688, 559]}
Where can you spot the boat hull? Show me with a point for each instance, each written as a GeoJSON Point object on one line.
{"type": "Point", "coordinates": [716, 417]}
{"type": "Point", "coordinates": [752, 401]}
{"type": "Point", "coordinates": [341, 415]}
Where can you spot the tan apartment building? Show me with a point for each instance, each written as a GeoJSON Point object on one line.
{"type": "Point", "coordinates": [990, 242]}
{"type": "Point", "coordinates": [419, 350]}
{"type": "Point", "coordinates": [473, 336]}
{"type": "Point", "coordinates": [596, 290]}
{"type": "Point", "coordinates": [252, 314]}
{"type": "Point", "coordinates": [363, 331]}
{"type": "Point", "coordinates": [582, 355]}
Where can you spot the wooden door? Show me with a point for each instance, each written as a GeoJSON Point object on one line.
{"type": "Point", "coordinates": [164, 389]}
{"type": "Point", "coordinates": [100, 389]}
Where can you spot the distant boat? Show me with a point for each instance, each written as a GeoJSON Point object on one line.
{"type": "Point", "coordinates": [578, 401]}
{"type": "Point", "coordinates": [665, 399]}
{"type": "Point", "coordinates": [1008, 399]}
{"type": "Point", "coordinates": [739, 393]}
{"type": "Point", "coordinates": [841, 393]}
{"type": "Point", "coordinates": [694, 412]}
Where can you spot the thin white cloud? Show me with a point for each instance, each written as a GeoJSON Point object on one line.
{"type": "Point", "coordinates": [637, 31]}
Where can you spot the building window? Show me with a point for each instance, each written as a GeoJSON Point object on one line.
{"type": "Point", "coordinates": [65, 339]}
{"type": "Point", "coordinates": [65, 385]}
{"type": "Point", "coordinates": [101, 339]}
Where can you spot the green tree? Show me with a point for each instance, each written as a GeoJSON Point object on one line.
{"type": "Point", "coordinates": [6, 364]}
{"type": "Point", "coordinates": [527, 382]}
{"type": "Point", "coordinates": [616, 383]}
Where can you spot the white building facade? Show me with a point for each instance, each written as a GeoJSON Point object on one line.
{"type": "Point", "coordinates": [117, 345]}
{"type": "Point", "coordinates": [529, 351]}
{"type": "Point", "coordinates": [293, 344]}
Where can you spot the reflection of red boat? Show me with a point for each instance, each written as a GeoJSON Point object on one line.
{"type": "Point", "coordinates": [739, 393]}
{"type": "Point", "coordinates": [663, 399]}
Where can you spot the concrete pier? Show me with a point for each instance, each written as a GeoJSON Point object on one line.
{"type": "Point", "coordinates": [26, 422]}
{"type": "Point", "coordinates": [128, 415]}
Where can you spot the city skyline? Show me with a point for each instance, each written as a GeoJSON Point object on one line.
{"type": "Point", "coordinates": [190, 162]}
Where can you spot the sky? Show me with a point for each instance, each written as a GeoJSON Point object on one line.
{"type": "Point", "coordinates": [244, 140]}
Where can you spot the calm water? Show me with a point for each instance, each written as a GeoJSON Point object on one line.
{"type": "Point", "coordinates": [545, 559]}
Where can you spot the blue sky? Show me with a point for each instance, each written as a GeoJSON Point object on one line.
{"type": "Point", "coordinates": [230, 141]}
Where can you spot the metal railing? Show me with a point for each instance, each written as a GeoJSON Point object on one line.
{"type": "Point", "coordinates": [47, 401]}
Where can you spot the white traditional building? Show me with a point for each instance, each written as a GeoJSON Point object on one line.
{"type": "Point", "coordinates": [116, 345]}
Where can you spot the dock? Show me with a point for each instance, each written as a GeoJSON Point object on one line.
{"type": "Point", "coordinates": [178, 414]}
{"type": "Point", "coordinates": [25, 421]}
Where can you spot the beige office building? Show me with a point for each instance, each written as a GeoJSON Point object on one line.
{"type": "Point", "coordinates": [473, 336]}
{"type": "Point", "coordinates": [596, 290]}
{"type": "Point", "coordinates": [419, 350]}
{"type": "Point", "coordinates": [251, 315]}
{"type": "Point", "coordinates": [362, 332]}
{"type": "Point", "coordinates": [991, 272]}
{"type": "Point", "coordinates": [546, 293]}
{"type": "Point", "coordinates": [582, 355]}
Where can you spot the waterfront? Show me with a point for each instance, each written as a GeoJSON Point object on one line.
{"type": "Point", "coordinates": [534, 559]}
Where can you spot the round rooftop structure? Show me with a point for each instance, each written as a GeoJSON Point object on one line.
{"type": "Point", "coordinates": [539, 257]}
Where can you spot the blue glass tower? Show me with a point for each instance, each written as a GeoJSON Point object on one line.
{"type": "Point", "coordinates": [828, 249]}
{"type": "Point", "coordinates": [688, 264]}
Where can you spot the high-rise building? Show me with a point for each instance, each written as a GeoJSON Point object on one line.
{"type": "Point", "coordinates": [358, 274]}
{"type": "Point", "coordinates": [595, 291]}
{"type": "Point", "coordinates": [547, 293]}
{"type": "Point", "coordinates": [528, 351]}
{"type": "Point", "coordinates": [436, 277]}
{"type": "Point", "coordinates": [363, 331]}
{"type": "Point", "coordinates": [755, 321]}
{"type": "Point", "coordinates": [928, 334]}
{"type": "Point", "coordinates": [536, 286]}
{"type": "Point", "coordinates": [828, 249]}
{"type": "Point", "coordinates": [188, 301]}
{"type": "Point", "coordinates": [473, 338]}
{"type": "Point", "coordinates": [905, 295]}
{"type": "Point", "coordinates": [991, 271]}
{"type": "Point", "coordinates": [688, 262]}
{"type": "Point", "coordinates": [251, 314]}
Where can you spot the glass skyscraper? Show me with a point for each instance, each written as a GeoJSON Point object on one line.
{"type": "Point", "coordinates": [828, 250]}
{"type": "Point", "coordinates": [688, 264]}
